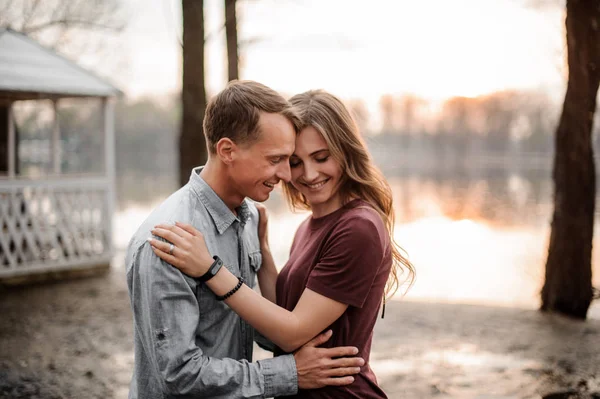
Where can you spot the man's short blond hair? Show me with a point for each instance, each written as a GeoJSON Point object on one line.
{"type": "Point", "coordinates": [234, 112]}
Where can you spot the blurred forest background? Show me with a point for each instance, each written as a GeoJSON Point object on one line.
{"type": "Point", "coordinates": [508, 131]}
{"type": "Point", "coordinates": [500, 133]}
{"type": "Point", "coordinates": [459, 108]}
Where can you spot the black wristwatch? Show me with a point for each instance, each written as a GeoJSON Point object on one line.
{"type": "Point", "coordinates": [212, 270]}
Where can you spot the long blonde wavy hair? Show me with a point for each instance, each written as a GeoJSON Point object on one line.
{"type": "Point", "coordinates": [360, 178]}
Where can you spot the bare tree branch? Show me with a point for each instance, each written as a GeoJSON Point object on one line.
{"type": "Point", "coordinates": [75, 28]}
{"type": "Point", "coordinates": [70, 23]}
{"type": "Point", "coordinates": [31, 11]}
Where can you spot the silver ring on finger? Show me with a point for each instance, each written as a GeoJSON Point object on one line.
{"type": "Point", "coordinates": [171, 248]}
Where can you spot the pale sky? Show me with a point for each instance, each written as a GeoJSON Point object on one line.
{"type": "Point", "coordinates": [358, 49]}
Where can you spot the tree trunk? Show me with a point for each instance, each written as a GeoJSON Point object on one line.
{"type": "Point", "coordinates": [568, 285]}
{"type": "Point", "coordinates": [232, 40]}
{"type": "Point", "coordinates": [192, 145]}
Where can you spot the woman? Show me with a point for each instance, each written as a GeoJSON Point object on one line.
{"type": "Point", "coordinates": [343, 260]}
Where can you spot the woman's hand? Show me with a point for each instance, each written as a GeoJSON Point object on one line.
{"type": "Point", "coordinates": [267, 274]}
{"type": "Point", "coordinates": [263, 235]}
{"type": "Point", "coordinates": [186, 249]}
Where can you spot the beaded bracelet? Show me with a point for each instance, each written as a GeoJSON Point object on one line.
{"type": "Point", "coordinates": [233, 291]}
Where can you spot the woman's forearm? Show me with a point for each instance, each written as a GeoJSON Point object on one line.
{"type": "Point", "coordinates": [267, 276]}
{"type": "Point", "coordinates": [289, 330]}
{"type": "Point", "coordinates": [277, 324]}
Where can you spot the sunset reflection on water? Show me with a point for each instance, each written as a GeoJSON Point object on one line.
{"type": "Point", "coordinates": [475, 241]}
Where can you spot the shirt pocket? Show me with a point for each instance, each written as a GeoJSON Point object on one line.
{"type": "Point", "coordinates": [255, 259]}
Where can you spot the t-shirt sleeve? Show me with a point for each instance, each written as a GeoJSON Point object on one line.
{"type": "Point", "coordinates": [350, 260]}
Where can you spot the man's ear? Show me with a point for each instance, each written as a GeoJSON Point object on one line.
{"type": "Point", "coordinates": [226, 150]}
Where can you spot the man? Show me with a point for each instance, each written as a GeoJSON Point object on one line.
{"type": "Point", "coordinates": [188, 344]}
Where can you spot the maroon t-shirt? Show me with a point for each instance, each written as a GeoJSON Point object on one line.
{"type": "Point", "coordinates": [345, 256]}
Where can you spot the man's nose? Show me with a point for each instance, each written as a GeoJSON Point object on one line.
{"type": "Point", "coordinates": [284, 172]}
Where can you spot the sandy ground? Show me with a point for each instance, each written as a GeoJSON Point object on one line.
{"type": "Point", "coordinates": [74, 340]}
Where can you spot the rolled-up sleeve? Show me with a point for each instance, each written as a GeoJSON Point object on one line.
{"type": "Point", "coordinates": [280, 376]}
{"type": "Point", "coordinates": [166, 317]}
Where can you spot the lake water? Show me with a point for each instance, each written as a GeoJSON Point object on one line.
{"type": "Point", "coordinates": [478, 238]}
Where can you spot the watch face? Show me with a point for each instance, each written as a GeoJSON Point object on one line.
{"type": "Point", "coordinates": [218, 265]}
{"type": "Point", "coordinates": [215, 267]}
{"type": "Point", "coordinates": [212, 270]}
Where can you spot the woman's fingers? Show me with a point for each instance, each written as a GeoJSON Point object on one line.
{"type": "Point", "coordinates": [195, 237]}
{"type": "Point", "coordinates": [189, 229]}
{"type": "Point", "coordinates": [181, 229]}
{"type": "Point", "coordinates": [190, 253]}
{"type": "Point", "coordinates": [262, 210]}
{"type": "Point", "coordinates": [178, 259]}
{"type": "Point", "coordinates": [161, 249]}
{"type": "Point", "coordinates": [262, 214]}
{"type": "Point", "coordinates": [169, 236]}
{"type": "Point", "coordinates": [164, 247]}
{"type": "Point", "coordinates": [174, 234]}
{"type": "Point", "coordinates": [181, 232]}
{"type": "Point", "coordinates": [163, 226]}
{"type": "Point", "coordinates": [262, 223]}
{"type": "Point", "coordinates": [175, 229]}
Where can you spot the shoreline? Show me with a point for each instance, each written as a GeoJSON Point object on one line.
{"type": "Point", "coordinates": [73, 339]}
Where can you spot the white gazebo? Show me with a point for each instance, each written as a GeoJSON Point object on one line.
{"type": "Point", "coordinates": [57, 222]}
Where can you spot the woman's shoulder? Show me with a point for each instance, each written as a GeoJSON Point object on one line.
{"type": "Point", "coordinates": [360, 212]}
{"type": "Point", "coordinates": [360, 222]}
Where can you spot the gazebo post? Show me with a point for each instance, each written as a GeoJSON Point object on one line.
{"type": "Point", "coordinates": [108, 107]}
{"type": "Point", "coordinates": [55, 149]}
{"type": "Point", "coordinates": [11, 143]}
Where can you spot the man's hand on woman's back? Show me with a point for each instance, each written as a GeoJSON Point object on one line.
{"type": "Point", "coordinates": [319, 367]}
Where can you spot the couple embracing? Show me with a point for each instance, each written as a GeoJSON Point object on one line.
{"type": "Point", "coordinates": [192, 265]}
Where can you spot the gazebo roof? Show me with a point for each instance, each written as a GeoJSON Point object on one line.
{"type": "Point", "coordinates": [30, 71]}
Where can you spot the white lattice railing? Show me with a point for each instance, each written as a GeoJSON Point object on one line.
{"type": "Point", "coordinates": [51, 225]}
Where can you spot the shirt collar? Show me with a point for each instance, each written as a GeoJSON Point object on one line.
{"type": "Point", "coordinates": [219, 212]}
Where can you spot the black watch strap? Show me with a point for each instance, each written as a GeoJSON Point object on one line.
{"type": "Point", "coordinates": [212, 270]}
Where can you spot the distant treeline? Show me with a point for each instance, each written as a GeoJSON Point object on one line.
{"type": "Point", "coordinates": [501, 130]}
{"type": "Point", "coordinates": [511, 130]}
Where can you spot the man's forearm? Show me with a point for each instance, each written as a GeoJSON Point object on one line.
{"type": "Point", "coordinates": [166, 314]}
{"type": "Point", "coordinates": [204, 376]}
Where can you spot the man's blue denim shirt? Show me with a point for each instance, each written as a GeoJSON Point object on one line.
{"type": "Point", "coordinates": [188, 344]}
